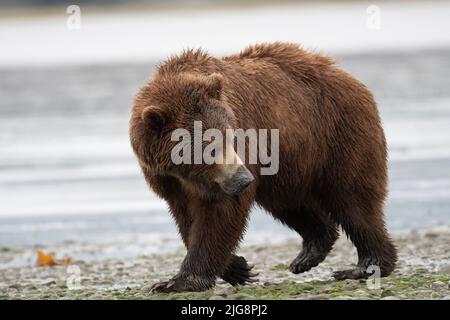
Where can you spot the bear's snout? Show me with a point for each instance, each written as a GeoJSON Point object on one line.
{"type": "Point", "coordinates": [238, 182]}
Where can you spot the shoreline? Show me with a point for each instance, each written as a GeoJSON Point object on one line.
{"type": "Point", "coordinates": [423, 272]}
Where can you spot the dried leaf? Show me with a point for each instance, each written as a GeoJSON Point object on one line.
{"type": "Point", "coordinates": [65, 261]}
{"type": "Point", "coordinates": [45, 260]}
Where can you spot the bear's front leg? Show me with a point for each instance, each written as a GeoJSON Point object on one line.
{"type": "Point", "coordinates": [214, 235]}
{"type": "Point", "coordinates": [238, 271]}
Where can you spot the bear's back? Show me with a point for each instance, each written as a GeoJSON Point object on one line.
{"type": "Point", "coordinates": [290, 57]}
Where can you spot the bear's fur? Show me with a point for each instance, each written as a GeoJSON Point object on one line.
{"type": "Point", "coordinates": [332, 154]}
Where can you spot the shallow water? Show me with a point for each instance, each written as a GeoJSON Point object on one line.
{"type": "Point", "coordinates": [67, 171]}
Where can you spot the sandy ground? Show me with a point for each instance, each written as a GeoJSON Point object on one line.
{"type": "Point", "coordinates": [423, 273]}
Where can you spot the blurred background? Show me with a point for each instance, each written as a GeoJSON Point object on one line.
{"type": "Point", "coordinates": [68, 75]}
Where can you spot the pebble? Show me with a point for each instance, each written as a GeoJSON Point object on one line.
{"type": "Point", "coordinates": [361, 293]}
{"type": "Point", "coordinates": [390, 298]}
{"type": "Point", "coordinates": [446, 297]}
{"type": "Point", "coordinates": [344, 298]}
{"type": "Point", "coordinates": [47, 282]}
{"type": "Point", "coordinates": [445, 269]}
{"type": "Point", "coordinates": [216, 298]}
{"type": "Point", "coordinates": [319, 297]}
{"type": "Point", "coordinates": [437, 284]}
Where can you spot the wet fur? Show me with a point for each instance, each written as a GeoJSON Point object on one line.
{"type": "Point", "coordinates": [333, 167]}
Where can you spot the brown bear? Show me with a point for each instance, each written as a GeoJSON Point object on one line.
{"type": "Point", "coordinates": [332, 159]}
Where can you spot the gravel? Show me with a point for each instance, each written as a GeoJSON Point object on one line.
{"type": "Point", "coordinates": [422, 273]}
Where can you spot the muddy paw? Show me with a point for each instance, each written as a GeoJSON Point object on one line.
{"type": "Point", "coordinates": [239, 272]}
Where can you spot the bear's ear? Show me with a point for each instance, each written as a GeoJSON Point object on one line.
{"type": "Point", "coordinates": [214, 84]}
{"type": "Point", "coordinates": [155, 117]}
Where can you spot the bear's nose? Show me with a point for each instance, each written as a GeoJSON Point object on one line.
{"type": "Point", "coordinates": [245, 178]}
{"type": "Point", "coordinates": [239, 181]}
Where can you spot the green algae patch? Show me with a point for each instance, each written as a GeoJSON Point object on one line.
{"type": "Point", "coordinates": [279, 267]}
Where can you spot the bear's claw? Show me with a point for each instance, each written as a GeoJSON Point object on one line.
{"type": "Point", "coordinates": [356, 273]}
{"type": "Point", "coordinates": [179, 284]}
{"type": "Point", "coordinates": [239, 272]}
{"type": "Point", "coordinates": [161, 286]}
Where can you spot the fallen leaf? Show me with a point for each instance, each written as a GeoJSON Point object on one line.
{"type": "Point", "coordinates": [45, 260]}
{"type": "Point", "coordinates": [65, 261]}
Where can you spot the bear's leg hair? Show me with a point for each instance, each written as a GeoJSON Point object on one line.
{"type": "Point", "coordinates": [318, 232]}
{"type": "Point", "coordinates": [214, 234]}
{"type": "Point", "coordinates": [366, 229]}
{"type": "Point", "coordinates": [238, 271]}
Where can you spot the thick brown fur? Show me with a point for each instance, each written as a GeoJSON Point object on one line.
{"type": "Point", "coordinates": [332, 151]}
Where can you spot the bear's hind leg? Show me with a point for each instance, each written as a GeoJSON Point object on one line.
{"type": "Point", "coordinates": [375, 249]}
{"type": "Point", "coordinates": [319, 234]}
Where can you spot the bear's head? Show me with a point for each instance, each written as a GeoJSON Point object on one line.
{"type": "Point", "coordinates": [164, 125]}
